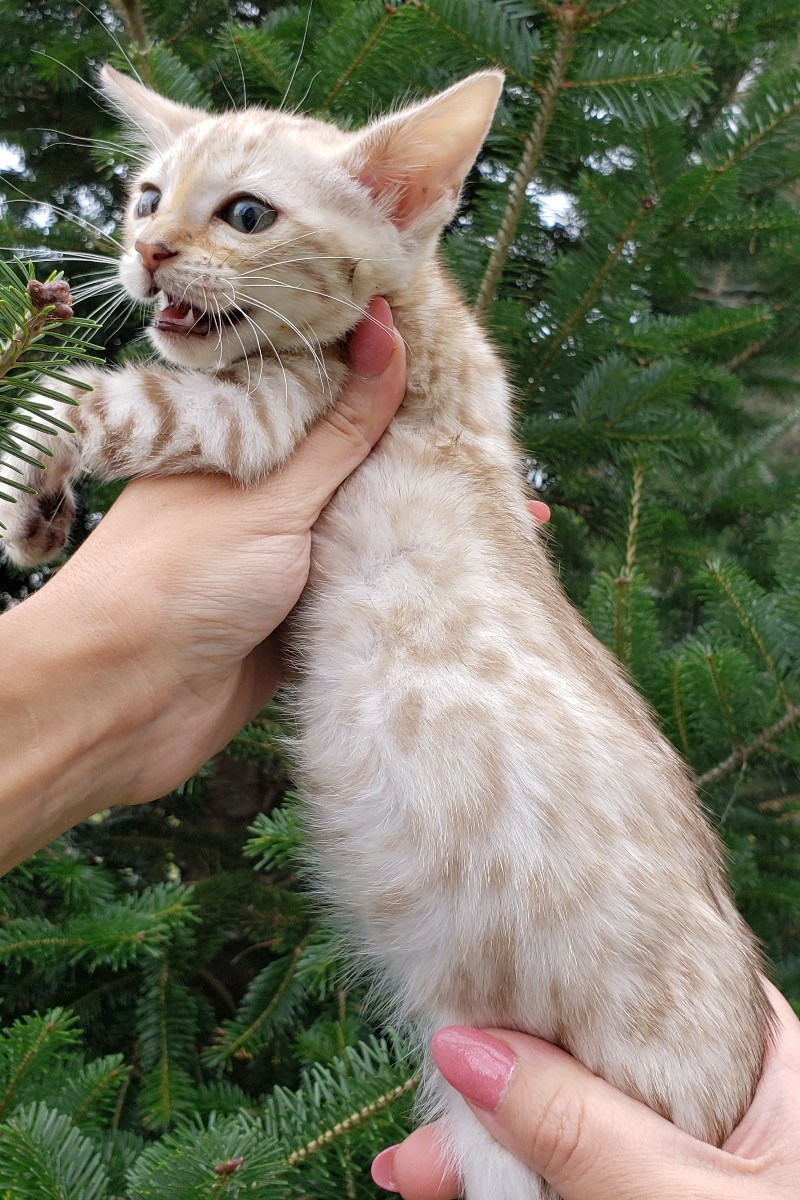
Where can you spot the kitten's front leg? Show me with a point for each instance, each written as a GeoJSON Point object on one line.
{"type": "Point", "coordinates": [149, 420]}
{"type": "Point", "coordinates": [36, 526]}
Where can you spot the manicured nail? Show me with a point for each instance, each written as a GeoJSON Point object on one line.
{"type": "Point", "coordinates": [382, 1170]}
{"type": "Point", "coordinates": [539, 511]}
{"type": "Point", "coordinates": [371, 345]}
{"type": "Point", "coordinates": [475, 1064]}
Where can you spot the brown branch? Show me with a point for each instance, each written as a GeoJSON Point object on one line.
{"type": "Point", "coordinates": [569, 27]}
{"type": "Point", "coordinates": [742, 753]}
{"type": "Point", "coordinates": [133, 19]}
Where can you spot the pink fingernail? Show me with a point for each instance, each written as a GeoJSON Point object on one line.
{"type": "Point", "coordinates": [371, 345]}
{"type": "Point", "coordinates": [382, 1170]}
{"type": "Point", "coordinates": [475, 1064]}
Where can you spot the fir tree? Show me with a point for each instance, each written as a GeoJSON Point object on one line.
{"type": "Point", "coordinates": [176, 1018]}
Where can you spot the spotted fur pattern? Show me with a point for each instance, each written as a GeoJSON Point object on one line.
{"type": "Point", "coordinates": [494, 814]}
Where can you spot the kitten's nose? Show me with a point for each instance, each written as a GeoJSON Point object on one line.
{"type": "Point", "coordinates": [153, 253]}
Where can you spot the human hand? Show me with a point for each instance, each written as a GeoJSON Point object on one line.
{"type": "Point", "coordinates": [592, 1142]}
{"type": "Point", "coordinates": [151, 647]}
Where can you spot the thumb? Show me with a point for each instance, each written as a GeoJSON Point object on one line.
{"type": "Point", "coordinates": [590, 1141]}
{"type": "Point", "coordinates": [343, 437]}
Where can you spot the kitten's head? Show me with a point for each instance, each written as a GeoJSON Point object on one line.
{"type": "Point", "coordinates": [252, 229]}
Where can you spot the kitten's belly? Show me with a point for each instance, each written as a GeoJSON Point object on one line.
{"type": "Point", "coordinates": [471, 823]}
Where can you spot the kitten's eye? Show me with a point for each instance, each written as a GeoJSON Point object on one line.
{"type": "Point", "coordinates": [248, 215]}
{"type": "Point", "coordinates": [148, 202]}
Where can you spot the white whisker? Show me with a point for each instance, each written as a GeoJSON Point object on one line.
{"type": "Point", "coordinates": [364, 313]}
{"type": "Point", "coordinates": [319, 361]}
{"type": "Point", "coordinates": [113, 37]}
{"type": "Point", "coordinates": [298, 60]}
{"type": "Point", "coordinates": [74, 139]}
{"type": "Point", "coordinates": [81, 222]}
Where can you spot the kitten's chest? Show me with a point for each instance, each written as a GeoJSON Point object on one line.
{"type": "Point", "coordinates": [403, 539]}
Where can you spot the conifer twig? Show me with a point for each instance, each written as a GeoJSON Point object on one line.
{"type": "Point", "coordinates": [633, 523]}
{"type": "Point", "coordinates": [351, 1122]}
{"type": "Point", "coordinates": [741, 754]}
{"type": "Point", "coordinates": [750, 626]}
{"type": "Point", "coordinates": [585, 302]}
{"type": "Point", "coordinates": [568, 29]}
{"type": "Point", "coordinates": [372, 38]}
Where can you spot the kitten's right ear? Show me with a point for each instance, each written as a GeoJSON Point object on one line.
{"type": "Point", "coordinates": [153, 120]}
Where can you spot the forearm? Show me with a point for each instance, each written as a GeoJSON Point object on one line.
{"type": "Point", "coordinates": [77, 704]}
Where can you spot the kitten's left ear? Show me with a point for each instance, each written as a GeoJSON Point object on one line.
{"type": "Point", "coordinates": [415, 161]}
{"type": "Point", "coordinates": [153, 119]}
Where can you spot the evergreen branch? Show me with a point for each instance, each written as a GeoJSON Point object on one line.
{"type": "Point", "coordinates": [652, 158]}
{"type": "Point", "coordinates": [668, 335]}
{"type": "Point", "coordinates": [226, 1050]}
{"type": "Point", "coordinates": [585, 302]}
{"type": "Point", "coordinates": [373, 37]}
{"type": "Point", "coordinates": [749, 625]}
{"type": "Point", "coordinates": [352, 1122]}
{"type": "Point", "coordinates": [742, 753]}
{"type": "Point", "coordinates": [724, 706]}
{"type": "Point", "coordinates": [678, 707]}
{"type": "Point", "coordinates": [55, 1029]}
{"type": "Point", "coordinates": [477, 27]}
{"type": "Point", "coordinates": [633, 522]}
{"type": "Point", "coordinates": [763, 346]}
{"type": "Point", "coordinates": [750, 452]}
{"type": "Point", "coordinates": [747, 147]}
{"type": "Point", "coordinates": [579, 85]}
{"type": "Point", "coordinates": [111, 1073]}
{"type": "Point", "coordinates": [43, 1157]}
{"type": "Point", "coordinates": [122, 1096]}
{"type": "Point", "coordinates": [164, 1057]}
{"type": "Point", "coordinates": [568, 31]}
{"type": "Point", "coordinates": [34, 346]}
{"type": "Point", "coordinates": [632, 64]}
{"type": "Point", "coordinates": [622, 628]}
{"type": "Point", "coordinates": [751, 351]}
{"type": "Point", "coordinates": [246, 38]}
{"type": "Point", "coordinates": [717, 170]}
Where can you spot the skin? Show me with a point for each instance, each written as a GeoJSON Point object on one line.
{"type": "Point", "coordinates": [138, 661]}
{"type": "Point", "coordinates": [591, 1142]}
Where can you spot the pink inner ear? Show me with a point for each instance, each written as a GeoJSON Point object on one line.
{"type": "Point", "coordinates": [414, 162]}
{"type": "Point", "coordinates": [405, 198]}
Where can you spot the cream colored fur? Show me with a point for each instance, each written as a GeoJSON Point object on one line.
{"type": "Point", "coordinates": [495, 816]}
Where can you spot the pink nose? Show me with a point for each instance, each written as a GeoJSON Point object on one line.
{"type": "Point", "coordinates": [153, 253]}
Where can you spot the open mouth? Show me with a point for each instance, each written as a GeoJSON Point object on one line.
{"type": "Point", "coordinates": [183, 319]}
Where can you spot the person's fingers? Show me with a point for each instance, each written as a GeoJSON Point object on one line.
{"type": "Point", "coordinates": [586, 1138]}
{"type": "Point", "coordinates": [348, 431]}
{"type": "Point", "coordinates": [776, 1096]}
{"type": "Point", "coordinates": [415, 1168]}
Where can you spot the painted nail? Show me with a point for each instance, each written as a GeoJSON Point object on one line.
{"type": "Point", "coordinates": [475, 1064]}
{"type": "Point", "coordinates": [371, 345]}
{"type": "Point", "coordinates": [382, 1170]}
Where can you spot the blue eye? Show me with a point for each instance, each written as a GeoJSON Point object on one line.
{"type": "Point", "coordinates": [248, 215]}
{"type": "Point", "coordinates": [148, 202]}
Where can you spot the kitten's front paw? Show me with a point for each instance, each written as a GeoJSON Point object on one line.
{"type": "Point", "coordinates": [37, 527]}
